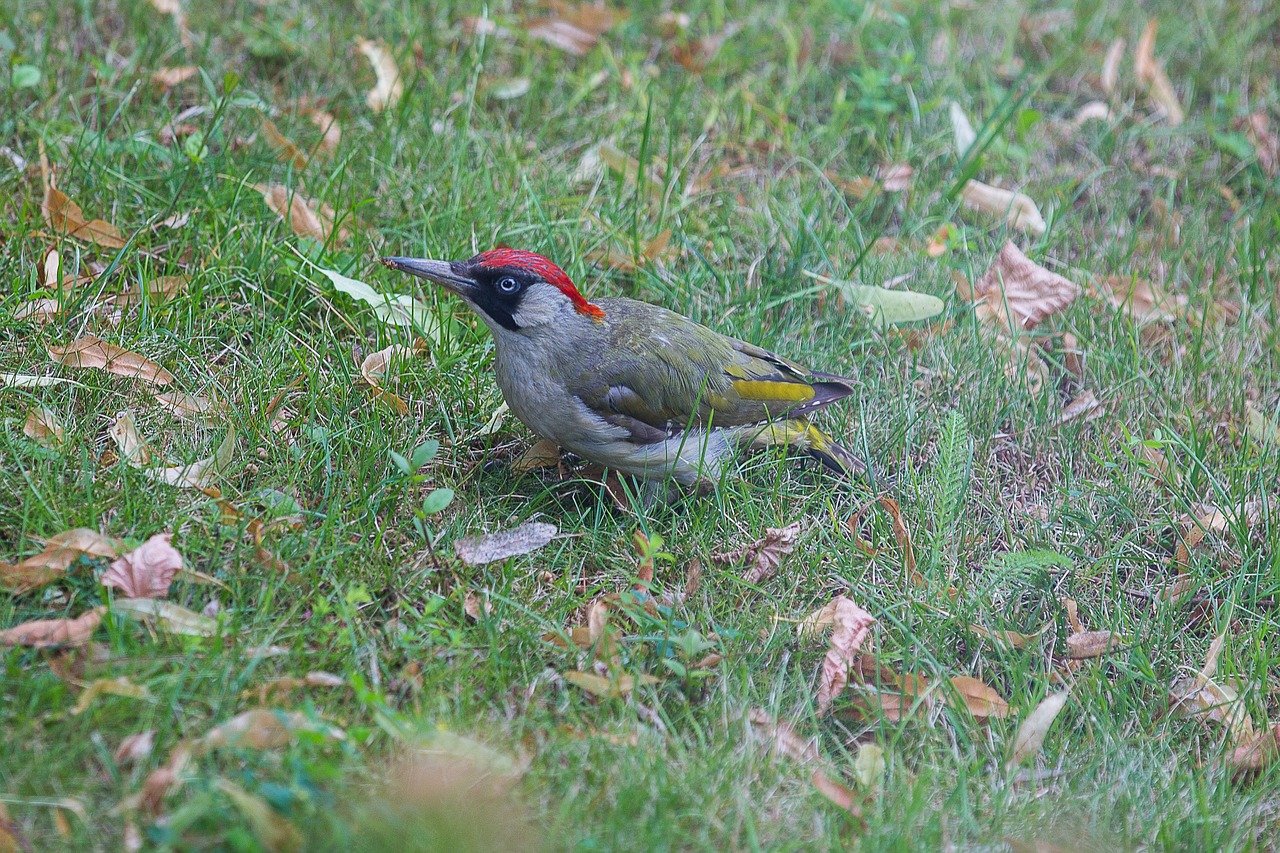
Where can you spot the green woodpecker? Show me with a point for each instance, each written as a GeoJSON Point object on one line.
{"type": "Point", "coordinates": [629, 385]}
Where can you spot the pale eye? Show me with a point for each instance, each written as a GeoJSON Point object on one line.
{"type": "Point", "coordinates": [508, 285]}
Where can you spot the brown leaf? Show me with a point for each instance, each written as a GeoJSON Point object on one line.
{"type": "Point", "coordinates": [264, 728]}
{"type": "Point", "coordinates": [1151, 73]}
{"type": "Point", "coordinates": [158, 290]}
{"type": "Point", "coordinates": [1257, 127]}
{"type": "Point", "coordinates": [941, 240]}
{"type": "Point", "coordinates": [307, 218]}
{"type": "Point", "coordinates": [765, 554]}
{"type": "Point", "coordinates": [782, 737]}
{"type": "Point", "coordinates": [575, 29]}
{"type": "Point", "coordinates": [51, 633]}
{"type": "Point", "coordinates": [136, 748]}
{"type": "Point", "coordinates": [374, 367]}
{"type": "Point", "coordinates": [608, 688]}
{"type": "Point", "coordinates": [1012, 639]}
{"type": "Point", "coordinates": [147, 571]}
{"type": "Point", "coordinates": [42, 427]}
{"type": "Point", "coordinates": [542, 454]}
{"type": "Point", "coordinates": [1017, 208]}
{"type": "Point", "coordinates": [59, 553]}
{"type": "Point", "coordinates": [65, 217]}
{"type": "Point", "coordinates": [1256, 753]}
{"type": "Point", "coordinates": [329, 127]}
{"type": "Point", "coordinates": [981, 700]}
{"type": "Point", "coordinates": [895, 177]}
{"type": "Point", "coordinates": [492, 547]}
{"type": "Point", "coordinates": [1091, 644]}
{"type": "Point", "coordinates": [1016, 293]}
{"type": "Point", "coordinates": [852, 628]}
{"type": "Point", "coordinates": [1203, 697]}
{"type": "Point", "coordinates": [132, 446]}
{"type": "Point", "coordinates": [1111, 66]}
{"type": "Point", "coordinates": [285, 147]}
{"type": "Point", "coordinates": [287, 683]}
{"type": "Point", "coordinates": [694, 56]}
{"type": "Point", "coordinates": [1210, 519]}
{"type": "Point", "coordinates": [389, 87]}
{"type": "Point", "coordinates": [167, 78]}
{"type": "Point", "coordinates": [92, 351]}
{"type": "Point", "coordinates": [835, 792]}
{"type": "Point", "coordinates": [1085, 407]}
{"type": "Point", "coordinates": [42, 311]}
{"type": "Point", "coordinates": [190, 407]}
{"type": "Point", "coordinates": [901, 534]}
{"type": "Point", "coordinates": [1141, 299]}
{"type": "Point", "coordinates": [1031, 734]}
{"type": "Point", "coordinates": [119, 686]}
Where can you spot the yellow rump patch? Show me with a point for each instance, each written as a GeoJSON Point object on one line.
{"type": "Point", "coordinates": [771, 392]}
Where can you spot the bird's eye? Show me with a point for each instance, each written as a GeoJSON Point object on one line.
{"type": "Point", "coordinates": [508, 285]}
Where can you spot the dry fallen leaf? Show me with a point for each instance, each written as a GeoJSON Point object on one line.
{"type": "Point", "coordinates": [166, 616]}
{"type": "Point", "coordinates": [1257, 127]}
{"type": "Point", "coordinates": [1151, 73]}
{"type": "Point", "coordinates": [119, 686]}
{"type": "Point", "coordinates": [264, 728]}
{"type": "Point", "coordinates": [190, 407]}
{"type": "Point", "coordinates": [1111, 66]}
{"type": "Point", "coordinates": [1141, 299]}
{"type": "Point", "coordinates": [307, 218]}
{"type": "Point", "coordinates": [374, 367]}
{"type": "Point", "coordinates": [329, 127]}
{"type": "Point", "coordinates": [694, 56]}
{"type": "Point", "coordinates": [42, 311]}
{"type": "Point", "coordinates": [1017, 208]}
{"type": "Point", "coordinates": [167, 78]}
{"type": "Point", "coordinates": [962, 129]}
{"type": "Point", "coordinates": [389, 88]}
{"type": "Point", "coordinates": [765, 554]}
{"type": "Point", "coordinates": [1092, 111]}
{"type": "Point", "coordinates": [1203, 697]}
{"type": "Point", "coordinates": [92, 351]}
{"type": "Point", "coordinates": [895, 177]}
{"type": "Point", "coordinates": [1012, 639]}
{"type": "Point", "coordinates": [784, 741]}
{"type": "Point", "coordinates": [43, 427]}
{"type": "Point", "coordinates": [288, 683]}
{"type": "Point", "coordinates": [51, 633]}
{"type": "Point", "coordinates": [286, 149]}
{"type": "Point", "coordinates": [1035, 727]}
{"type": "Point", "coordinates": [65, 217]}
{"type": "Point", "coordinates": [1015, 294]}
{"type": "Point", "coordinates": [50, 564]}
{"type": "Point", "coordinates": [981, 699]}
{"type": "Point", "coordinates": [492, 547]}
{"type": "Point", "coordinates": [271, 828]}
{"type": "Point", "coordinates": [157, 291]}
{"type": "Point", "coordinates": [616, 687]}
{"type": "Point", "coordinates": [147, 571]}
{"type": "Point", "coordinates": [1211, 519]}
{"type": "Point", "coordinates": [852, 628]}
{"type": "Point", "coordinates": [1256, 753]}
{"type": "Point", "coordinates": [136, 748]}
{"type": "Point", "coordinates": [543, 453]}
{"type": "Point", "coordinates": [1091, 644]}
{"type": "Point", "coordinates": [1084, 407]}
{"type": "Point", "coordinates": [575, 29]}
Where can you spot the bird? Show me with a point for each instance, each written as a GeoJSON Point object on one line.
{"type": "Point", "coordinates": [629, 385]}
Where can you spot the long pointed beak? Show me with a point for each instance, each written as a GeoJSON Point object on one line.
{"type": "Point", "coordinates": [443, 273]}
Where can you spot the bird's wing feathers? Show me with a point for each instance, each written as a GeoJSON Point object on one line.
{"type": "Point", "coordinates": [682, 375]}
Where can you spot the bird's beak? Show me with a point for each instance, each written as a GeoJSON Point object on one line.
{"type": "Point", "coordinates": [448, 274]}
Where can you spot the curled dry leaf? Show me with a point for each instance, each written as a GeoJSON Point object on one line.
{"type": "Point", "coordinates": [52, 633]}
{"type": "Point", "coordinates": [1092, 111]}
{"type": "Point", "coordinates": [286, 149]}
{"type": "Point", "coordinates": [307, 218]}
{"type": "Point", "coordinates": [1031, 734]}
{"type": "Point", "coordinates": [895, 177]}
{"type": "Point", "coordinates": [1143, 300]}
{"type": "Point", "coordinates": [1203, 697]}
{"type": "Point", "coordinates": [852, 628]}
{"type": "Point", "coordinates": [119, 686]}
{"type": "Point", "coordinates": [166, 616]}
{"type": "Point", "coordinates": [1151, 74]}
{"type": "Point", "coordinates": [374, 367]}
{"type": "Point", "coordinates": [1091, 644]}
{"type": "Point", "coordinates": [542, 454]}
{"type": "Point", "coordinates": [655, 250]}
{"type": "Point", "coordinates": [132, 446]}
{"type": "Point", "coordinates": [136, 748]}
{"type": "Point", "coordinates": [1210, 519]}
{"type": "Point", "coordinates": [389, 88]}
{"type": "Point", "coordinates": [147, 571]}
{"type": "Point", "coordinates": [59, 553]}
{"type": "Point", "coordinates": [1256, 753]}
{"type": "Point", "coordinates": [1257, 127]}
{"type": "Point", "coordinates": [1017, 208]}
{"type": "Point", "coordinates": [42, 311]}
{"type": "Point", "coordinates": [167, 78]}
{"type": "Point", "coordinates": [1015, 294]}
{"type": "Point", "coordinates": [962, 129]}
{"type": "Point", "coordinates": [492, 547]}
{"type": "Point", "coordinates": [575, 29]}
{"type": "Point", "coordinates": [201, 474]}
{"type": "Point", "coordinates": [43, 427]}
{"type": "Point", "coordinates": [65, 217]}
{"type": "Point", "coordinates": [1012, 639]}
{"type": "Point", "coordinates": [190, 407]}
{"type": "Point", "coordinates": [1085, 407]}
{"type": "Point", "coordinates": [981, 699]}
{"type": "Point", "coordinates": [1111, 66]}
{"type": "Point", "coordinates": [156, 291]}
{"type": "Point", "coordinates": [92, 351]}
{"type": "Point", "coordinates": [1259, 426]}
{"type": "Point", "coordinates": [329, 128]}
{"type": "Point", "coordinates": [288, 683]}
{"type": "Point", "coordinates": [765, 554]}
{"type": "Point", "coordinates": [694, 56]}
{"type": "Point", "coordinates": [264, 728]}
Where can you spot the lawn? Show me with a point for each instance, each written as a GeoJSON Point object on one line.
{"type": "Point", "coordinates": [1069, 534]}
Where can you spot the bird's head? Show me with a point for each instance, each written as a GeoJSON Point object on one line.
{"type": "Point", "coordinates": [510, 289]}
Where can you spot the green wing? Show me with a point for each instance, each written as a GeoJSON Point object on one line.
{"type": "Point", "coordinates": [669, 374]}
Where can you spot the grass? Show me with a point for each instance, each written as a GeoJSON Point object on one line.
{"type": "Point", "coordinates": [1011, 511]}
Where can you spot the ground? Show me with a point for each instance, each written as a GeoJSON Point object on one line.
{"type": "Point", "coordinates": [744, 145]}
